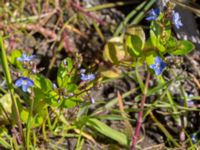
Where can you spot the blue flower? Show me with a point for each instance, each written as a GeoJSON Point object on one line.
{"type": "Point", "coordinates": [177, 20]}
{"type": "Point", "coordinates": [194, 138]}
{"type": "Point", "coordinates": [87, 77]}
{"type": "Point", "coordinates": [158, 66]}
{"type": "Point", "coordinates": [153, 14]}
{"type": "Point", "coordinates": [25, 83]}
{"type": "Point", "coordinates": [26, 58]}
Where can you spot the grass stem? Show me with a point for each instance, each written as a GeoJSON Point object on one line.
{"type": "Point", "coordinates": [10, 87]}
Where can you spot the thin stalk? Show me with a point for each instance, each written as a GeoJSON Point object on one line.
{"type": "Point", "coordinates": [79, 141]}
{"type": "Point", "coordinates": [173, 105]}
{"type": "Point", "coordinates": [28, 129]}
{"type": "Point", "coordinates": [164, 130]}
{"type": "Point", "coordinates": [44, 131]}
{"type": "Point", "coordinates": [10, 87]}
{"type": "Point", "coordinates": [140, 115]}
{"type": "Point", "coordinates": [128, 18]}
{"type": "Point", "coordinates": [141, 15]}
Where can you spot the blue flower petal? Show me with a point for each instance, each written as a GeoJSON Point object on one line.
{"type": "Point", "coordinates": [177, 20]}
{"type": "Point", "coordinates": [157, 11]}
{"type": "Point", "coordinates": [83, 77]}
{"type": "Point", "coordinates": [162, 65]}
{"type": "Point", "coordinates": [30, 82]}
{"type": "Point", "coordinates": [91, 76]}
{"type": "Point", "coordinates": [158, 71]}
{"type": "Point", "coordinates": [153, 66]}
{"type": "Point", "coordinates": [151, 18]}
{"type": "Point", "coordinates": [87, 77]}
{"type": "Point", "coordinates": [153, 14]}
{"type": "Point", "coordinates": [158, 60]}
{"type": "Point", "coordinates": [18, 83]}
{"type": "Point", "coordinates": [25, 57]}
{"type": "Point", "coordinates": [31, 57]}
{"type": "Point", "coordinates": [158, 65]}
{"type": "Point", "coordinates": [25, 88]}
{"type": "Point", "coordinates": [25, 83]}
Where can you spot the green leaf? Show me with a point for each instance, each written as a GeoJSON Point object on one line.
{"type": "Point", "coordinates": [156, 29]}
{"type": "Point", "coordinates": [52, 99]}
{"type": "Point", "coordinates": [69, 64]}
{"type": "Point", "coordinates": [70, 102]}
{"type": "Point", "coordinates": [183, 47]}
{"type": "Point", "coordinates": [42, 83]}
{"type": "Point", "coordinates": [13, 58]}
{"type": "Point", "coordinates": [66, 73]}
{"type": "Point", "coordinates": [5, 105]}
{"type": "Point", "coordinates": [138, 31]}
{"type": "Point", "coordinates": [107, 131]}
{"type": "Point", "coordinates": [155, 41]}
{"type": "Point", "coordinates": [62, 76]}
{"type": "Point", "coordinates": [150, 57]}
{"type": "Point", "coordinates": [162, 32]}
{"type": "Point", "coordinates": [39, 117]}
{"type": "Point", "coordinates": [114, 51]}
{"type": "Point", "coordinates": [171, 44]}
{"type": "Point", "coordinates": [135, 40]}
{"type": "Point", "coordinates": [159, 87]}
{"type": "Point", "coordinates": [72, 87]}
{"type": "Point", "coordinates": [134, 45]}
{"type": "Point", "coordinates": [111, 73]}
{"type": "Point", "coordinates": [111, 117]}
{"type": "Point", "coordinates": [24, 115]}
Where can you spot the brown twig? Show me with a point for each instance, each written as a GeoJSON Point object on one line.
{"type": "Point", "coordinates": [139, 120]}
{"type": "Point", "coordinates": [66, 42]}
{"type": "Point", "coordinates": [42, 30]}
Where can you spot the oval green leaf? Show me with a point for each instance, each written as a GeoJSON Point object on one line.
{"type": "Point", "coordinates": [183, 47]}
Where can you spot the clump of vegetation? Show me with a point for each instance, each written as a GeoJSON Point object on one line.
{"type": "Point", "coordinates": [49, 101]}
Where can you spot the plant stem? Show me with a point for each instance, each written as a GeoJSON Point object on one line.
{"type": "Point", "coordinates": [140, 16]}
{"type": "Point", "coordinates": [164, 130]}
{"type": "Point", "coordinates": [128, 18]}
{"type": "Point", "coordinates": [140, 115]}
{"type": "Point", "coordinates": [173, 105]}
{"type": "Point", "coordinates": [28, 129]}
{"type": "Point", "coordinates": [10, 86]}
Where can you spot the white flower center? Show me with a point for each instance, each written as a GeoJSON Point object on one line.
{"type": "Point", "coordinates": [157, 65]}
{"type": "Point", "coordinates": [24, 82]}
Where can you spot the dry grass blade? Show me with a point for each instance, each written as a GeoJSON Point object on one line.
{"type": "Point", "coordinates": [195, 8]}
{"type": "Point", "coordinates": [124, 115]}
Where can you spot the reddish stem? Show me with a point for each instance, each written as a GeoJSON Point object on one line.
{"type": "Point", "coordinates": [140, 115]}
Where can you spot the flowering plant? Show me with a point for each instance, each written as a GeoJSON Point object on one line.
{"type": "Point", "coordinates": [152, 50]}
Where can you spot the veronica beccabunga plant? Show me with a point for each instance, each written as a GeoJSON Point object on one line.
{"type": "Point", "coordinates": [151, 51]}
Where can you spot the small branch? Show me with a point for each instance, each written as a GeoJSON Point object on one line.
{"type": "Point", "coordinates": [140, 115]}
